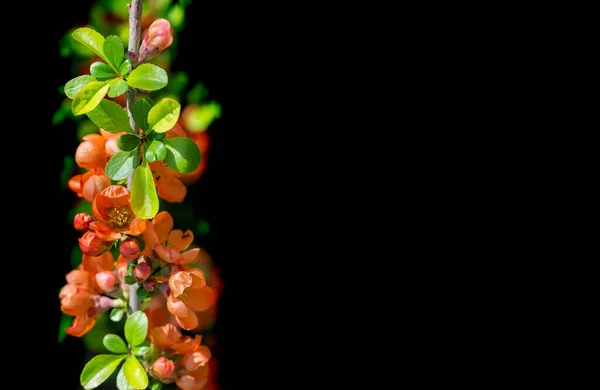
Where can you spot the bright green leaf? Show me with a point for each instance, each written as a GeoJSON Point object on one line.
{"type": "Point", "coordinates": [116, 314]}
{"type": "Point", "coordinates": [89, 97]}
{"type": "Point", "coordinates": [155, 151]}
{"type": "Point", "coordinates": [135, 373]}
{"type": "Point", "coordinates": [140, 111]}
{"type": "Point", "coordinates": [102, 71]}
{"type": "Point", "coordinates": [183, 154]}
{"type": "Point", "coordinates": [98, 369]}
{"type": "Point", "coordinates": [113, 50]}
{"type": "Point", "coordinates": [125, 67]}
{"type": "Point", "coordinates": [144, 200]}
{"type": "Point", "coordinates": [117, 88]}
{"type": "Point", "coordinates": [115, 344]}
{"type": "Point", "coordinates": [156, 386]}
{"type": "Point", "coordinates": [141, 293]}
{"type": "Point", "coordinates": [202, 116]}
{"type": "Point", "coordinates": [129, 279]}
{"type": "Point", "coordinates": [74, 85]}
{"type": "Point", "coordinates": [164, 115]}
{"type": "Point", "coordinates": [122, 383]}
{"type": "Point", "coordinates": [92, 39]}
{"type": "Point", "coordinates": [136, 328]}
{"type": "Point", "coordinates": [142, 349]}
{"type": "Point", "coordinates": [111, 117]}
{"type": "Point", "coordinates": [148, 77]}
{"type": "Point", "coordinates": [122, 164]}
{"type": "Point", "coordinates": [128, 142]}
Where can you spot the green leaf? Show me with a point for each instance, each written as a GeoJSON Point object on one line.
{"type": "Point", "coordinates": [155, 151]}
{"type": "Point", "coordinates": [125, 67]}
{"type": "Point", "coordinates": [140, 111]}
{"type": "Point", "coordinates": [114, 343]}
{"type": "Point", "coordinates": [98, 369]}
{"type": "Point", "coordinates": [122, 383]}
{"type": "Point", "coordinates": [164, 115]}
{"type": "Point", "coordinates": [128, 142]}
{"type": "Point", "coordinates": [142, 349]}
{"type": "Point", "coordinates": [102, 71]}
{"type": "Point", "coordinates": [74, 85]}
{"type": "Point", "coordinates": [135, 373]}
{"type": "Point", "coordinates": [117, 88]}
{"type": "Point", "coordinates": [65, 322]}
{"type": "Point", "coordinates": [116, 314]}
{"type": "Point", "coordinates": [92, 39]}
{"type": "Point", "coordinates": [156, 386]}
{"type": "Point", "coordinates": [202, 116]}
{"type": "Point", "coordinates": [144, 200]}
{"type": "Point", "coordinates": [113, 50]}
{"type": "Point", "coordinates": [183, 154]}
{"type": "Point", "coordinates": [89, 97]}
{"type": "Point", "coordinates": [111, 117]}
{"type": "Point", "coordinates": [141, 293]}
{"type": "Point", "coordinates": [130, 279]}
{"type": "Point", "coordinates": [148, 77]}
{"type": "Point", "coordinates": [136, 328]}
{"type": "Point", "coordinates": [122, 164]}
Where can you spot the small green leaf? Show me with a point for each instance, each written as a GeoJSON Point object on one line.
{"type": "Point", "coordinates": [89, 97]}
{"type": "Point", "coordinates": [98, 369]}
{"type": "Point", "coordinates": [116, 314]}
{"type": "Point", "coordinates": [136, 328]}
{"type": "Point", "coordinates": [164, 115]}
{"type": "Point", "coordinates": [135, 373]}
{"type": "Point", "coordinates": [125, 67]}
{"type": "Point", "coordinates": [117, 88]}
{"type": "Point", "coordinates": [142, 349]}
{"type": "Point", "coordinates": [102, 71]}
{"type": "Point", "coordinates": [122, 383]}
{"type": "Point", "coordinates": [128, 142]}
{"type": "Point", "coordinates": [183, 154]}
{"type": "Point", "coordinates": [148, 77]}
{"type": "Point", "coordinates": [144, 200]}
{"type": "Point", "coordinates": [111, 117]}
{"type": "Point", "coordinates": [92, 39]}
{"type": "Point", "coordinates": [141, 293]}
{"type": "Point", "coordinates": [115, 344]}
{"type": "Point", "coordinates": [129, 279]}
{"type": "Point", "coordinates": [155, 151]}
{"type": "Point", "coordinates": [202, 116]}
{"type": "Point", "coordinates": [140, 111]}
{"type": "Point", "coordinates": [74, 85]}
{"type": "Point", "coordinates": [113, 50]}
{"type": "Point", "coordinates": [156, 386]}
{"type": "Point", "coordinates": [122, 164]}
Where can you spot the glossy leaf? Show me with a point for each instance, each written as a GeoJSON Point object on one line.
{"type": "Point", "coordinates": [102, 71]}
{"type": "Point", "coordinates": [164, 115]}
{"type": "Point", "coordinates": [89, 97]}
{"type": "Point", "coordinates": [115, 344]}
{"type": "Point", "coordinates": [117, 88]}
{"type": "Point", "coordinates": [136, 328]}
{"type": "Point", "coordinates": [141, 349]}
{"type": "Point", "coordinates": [148, 77]}
{"type": "Point", "coordinates": [74, 85]}
{"type": "Point", "coordinates": [125, 67]}
{"type": "Point", "coordinates": [116, 314]}
{"type": "Point", "coordinates": [183, 154]}
{"type": "Point", "coordinates": [155, 151]}
{"type": "Point", "coordinates": [129, 279]}
{"type": "Point", "coordinates": [128, 142]}
{"type": "Point", "coordinates": [144, 200]}
{"type": "Point", "coordinates": [92, 39]}
{"type": "Point", "coordinates": [202, 116]}
{"type": "Point", "coordinates": [111, 117]}
{"type": "Point", "coordinates": [98, 369]}
{"type": "Point", "coordinates": [122, 164]}
{"type": "Point", "coordinates": [140, 111]}
{"type": "Point", "coordinates": [141, 293]}
{"type": "Point", "coordinates": [113, 50]}
{"type": "Point", "coordinates": [135, 373]}
{"type": "Point", "coordinates": [122, 383]}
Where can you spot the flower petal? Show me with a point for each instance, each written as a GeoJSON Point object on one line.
{"type": "Point", "coordinates": [189, 256]}
{"type": "Point", "coordinates": [188, 322]}
{"type": "Point", "coordinates": [104, 231]}
{"type": "Point", "coordinates": [177, 307]}
{"type": "Point", "coordinates": [180, 240]}
{"type": "Point", "coordinates": [137, 227]}
{"type": "Point", "coordinates": [200, 300]}
{"type": "Point", "coordinates": [171, 189]}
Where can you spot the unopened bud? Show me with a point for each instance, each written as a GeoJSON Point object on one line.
{"type": "Point", "coordinates": [92, 245]}
{"type": "Point", "coordinates": [157, 39]}
{"type": "Point", "coordinates": [150, 284]}
{"type": "Point", "coordinates": [142, 271]}
{"type": "Point", "coordinates": [163, 369]}
{"type": "Point", "coordinates": [107, 281]}
{"type": "Point", "coordinates": [129, 249]}
{"type": "Point", "coordinates": [82, 221]}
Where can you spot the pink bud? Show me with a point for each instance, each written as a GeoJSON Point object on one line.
{"type": "Point", "coordinates": [92, 245]}
{"type": "Point", "coordinates": [107, 281]}
{"type": "Point", "coordinates": [129, 249]}
{"type": "Point", "coordinates": [163, 369]}
{"type": "Point", "coordinates": [150, 284]}
{"type": "Point", "coordinates": [157, 39]}
{"type": "Point", "coordinates": [142, 271]}
{"type": "Point", "coordinates": [82, 221]}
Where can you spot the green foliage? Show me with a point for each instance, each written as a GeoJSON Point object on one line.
{"type": "Point", "coordinates": [67, 171]}
{"type": "Point", "coordinates": [116, 314]}
{"type": "Point", "coordinates": [142, 349]}
{"type": "Point", "coordinates": [154, 151]}
{"type": "Point", "coordinates": [144, 199]}
{"type": "Point", "coordinates": [148, 77]}
{"type": "Point", "coordinates": [125, 67]}
{"type": "Point", "coordinates": [91, 39]}
{"type": "Point", "coordinates": [140, 111]}
{"type": "Point", "coordinates": [65, 322]}
{"type": "Point", "coordinates": [115, 344]}
{"type": "Point", "coordinates": [183, 154]}
{"type": "Point", "coordinates": [113, 50]}
{"type": "Point", "coordinates": [111, 117]}
{"type": "Point", "coordinates": [122, 164]}
{"type": "Point", "coordinates": [164, 115]}
{"type": "Point", "coordinates": [128, 142]}
{"type": "Point", "coordinates": [136, 328]}
{"type": "Point", "coordinates": [141, 293]}
{"type": "Point", "coordinates": [202, 117]}
{"type": "Point", "coordinates": [134, 373]}
{"type": "Point", "coordinates": [98, 369]}
{"type": "Point", "coordinates": [101, 71]}
{"type": "Point", "coordinates": [89, 97]}
{"type": "Point", "coordinates": [197, 93]}
{"type": "Point", "coordinates": [117, 87]}
{"type": "Point", "coordinates": [122, 383]}
{"type": "Point", "coordinates": [74, 85]}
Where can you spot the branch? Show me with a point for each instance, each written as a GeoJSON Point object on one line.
{"type": "Point", "coordinates": [135, 32]}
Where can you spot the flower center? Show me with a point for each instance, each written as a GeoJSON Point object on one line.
{"type": "Point", "coordinates": [119, 217]}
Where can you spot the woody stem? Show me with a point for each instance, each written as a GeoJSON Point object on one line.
{"type": "Point", "coordinates": [135, 32]}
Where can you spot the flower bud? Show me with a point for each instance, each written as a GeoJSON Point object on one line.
{"type": "Point", "coordinates": [74, 299]}
{"type": "Point", "coordinates": [90, 153]}
{"type": "Point", "coordinates": [92, 245]}
{"type": "Point", "coordinates": [130, 249]}
{"type": "Point", "coordinates": [150, 284]}
{"type": "Point", "coordinates": [107, 281]}
{"type": "Point", "coordinates": [142, 271]}
{"type": "Point", "coordinates": [163, 369]}
{"type": "Point", "coordinates": [82, 221]}
{"type": "Point", "coordinates": [93, 186]}
{"type": "Point", "coordinates": [157, 39]}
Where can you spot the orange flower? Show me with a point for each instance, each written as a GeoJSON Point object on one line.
{"type": "Point", "coordinates": [196, 358]}
{"type": "Point", "coordinates": [115, 217]}
{"type": "Point", "coordinates": [91, 153]}
{"type": "Point", "coordinates": [168, 243]}
{"type": "Point", "coordinates": [163, 369]}
{"type": "Point", "coordinates": [195, 380]}
{"type": "Point", "coordinates": [189, 293]}
{"type": "Point", "coordinates": [92, 244]}
{"type": "Point", "coordinates": [89, 184]}
{"type": "Point", "coordinates": [75, 300]}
